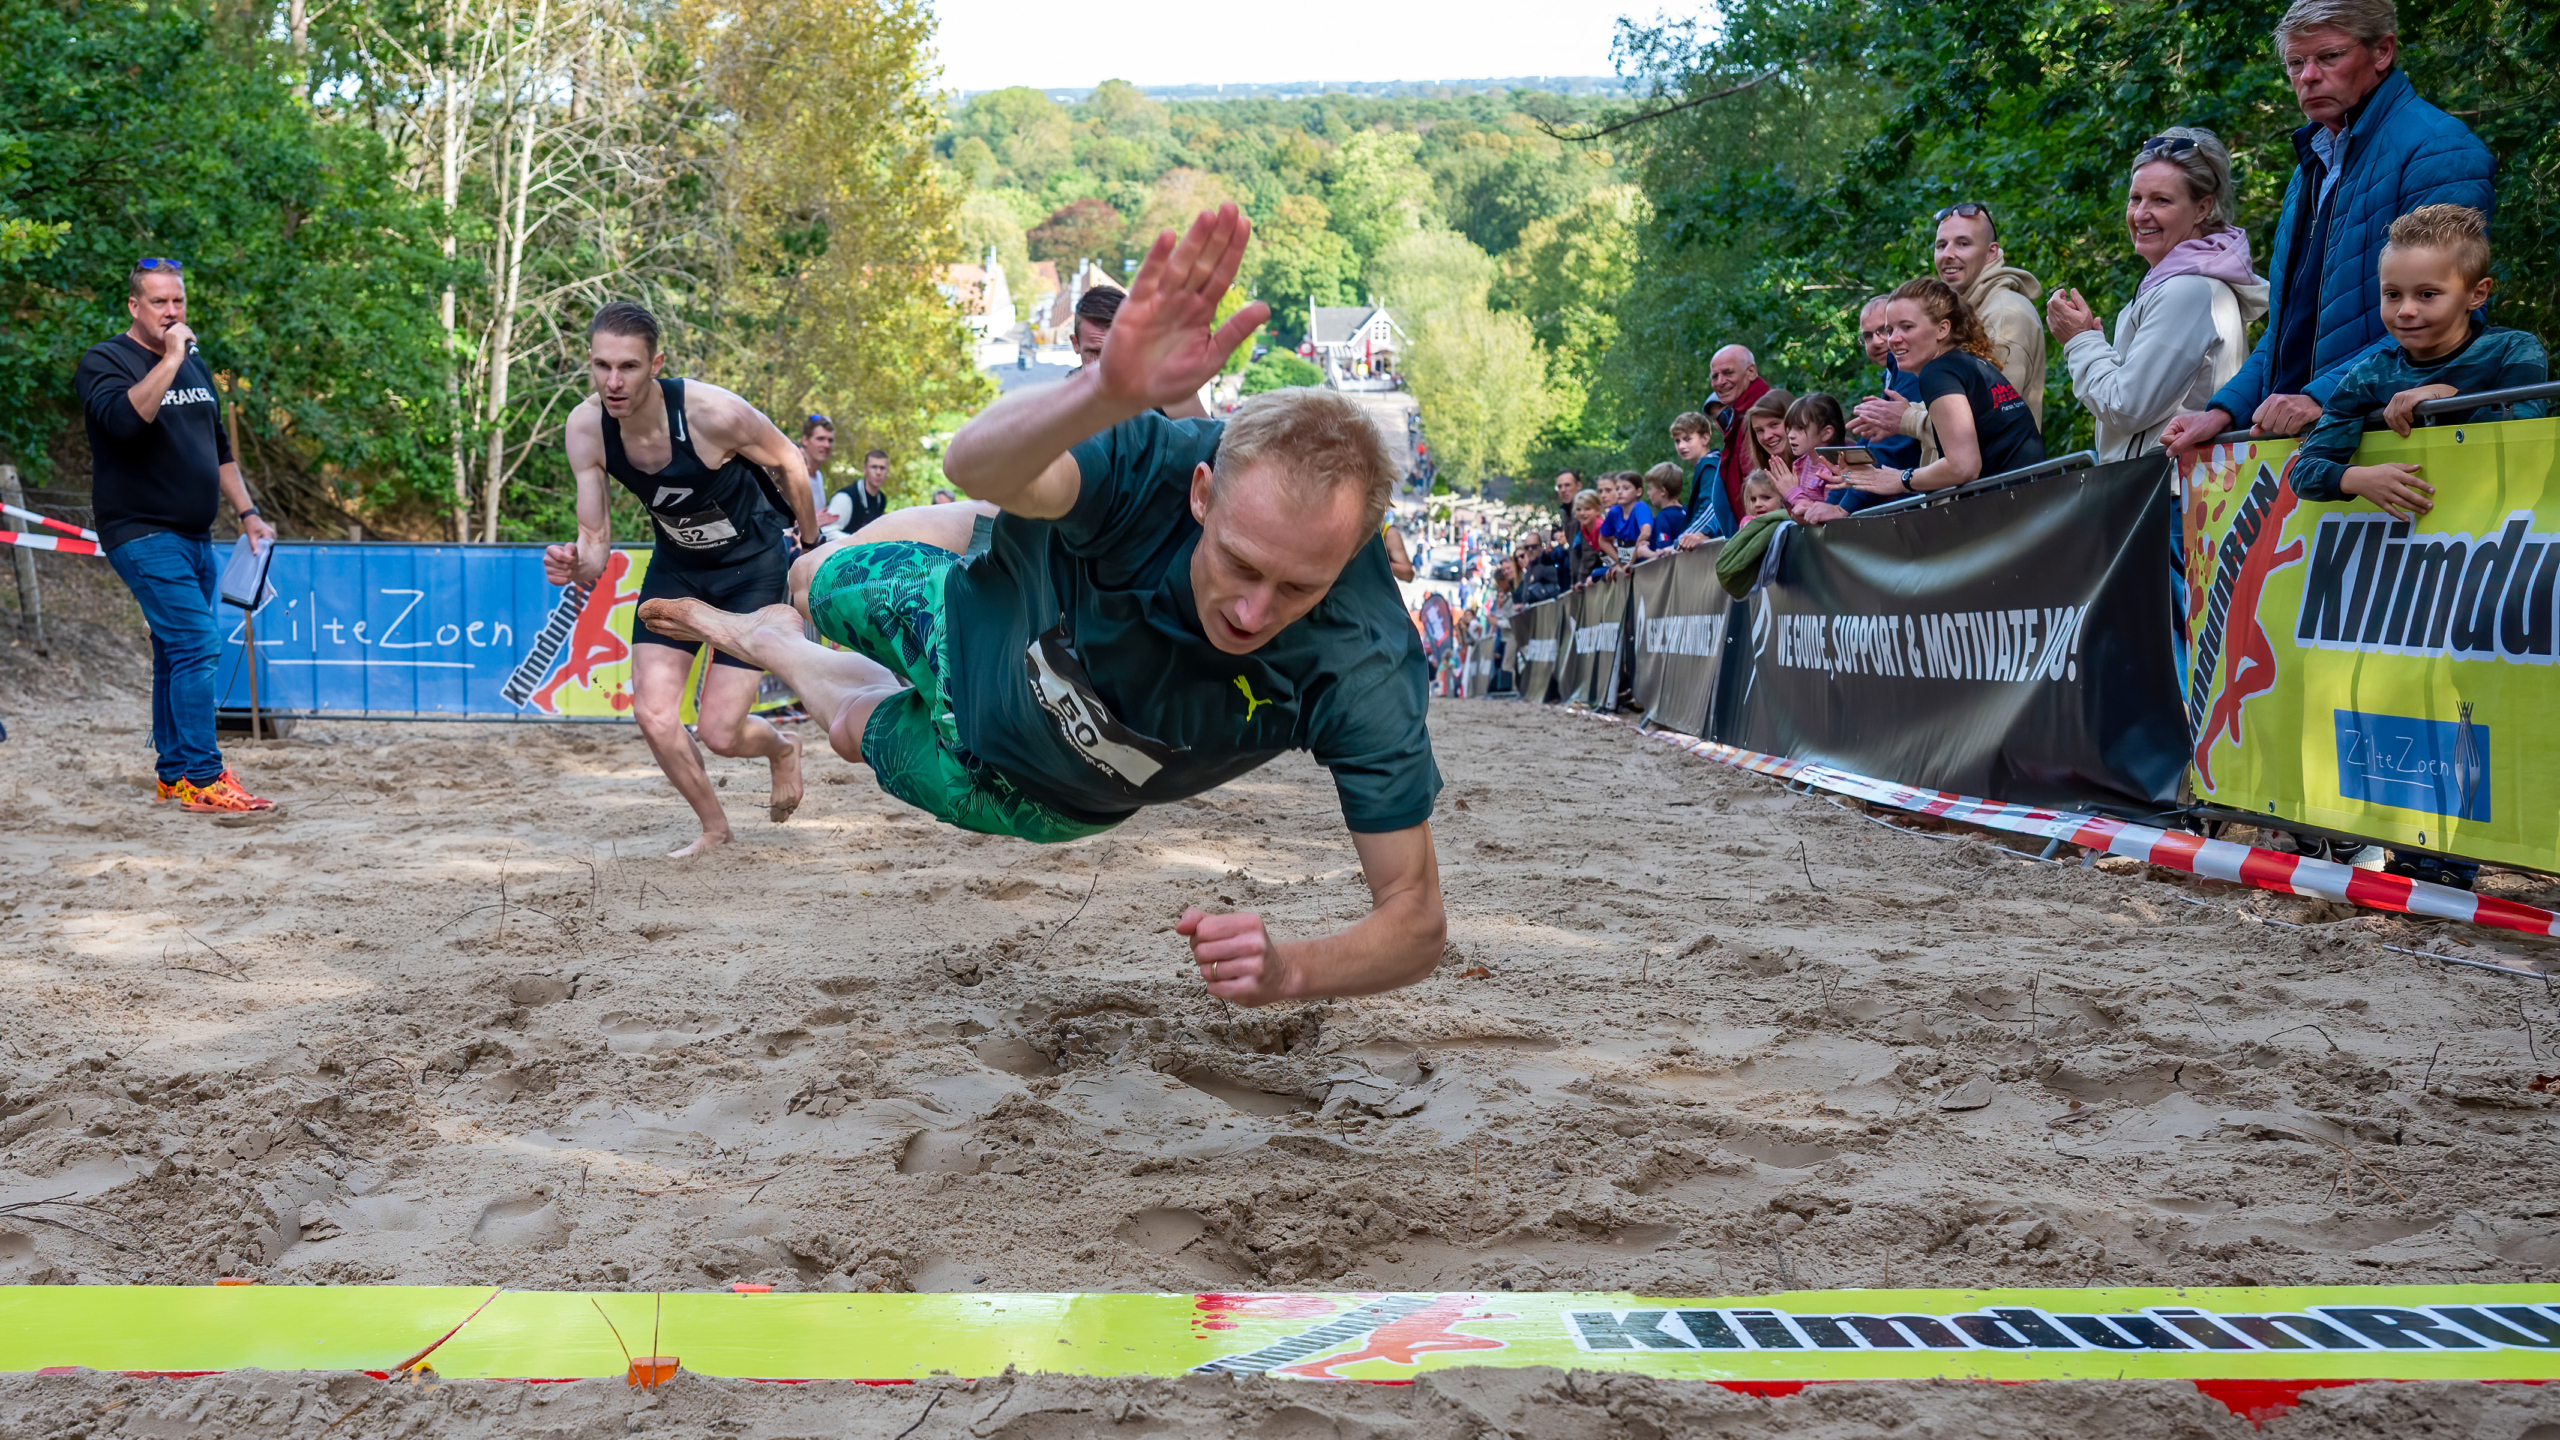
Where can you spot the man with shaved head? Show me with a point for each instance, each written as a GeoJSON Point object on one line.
{"type": "Point", "coordinates": [1735, 378]}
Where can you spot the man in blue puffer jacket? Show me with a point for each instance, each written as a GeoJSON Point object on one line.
{"type": "Point", "coordinates": [2372, 153]}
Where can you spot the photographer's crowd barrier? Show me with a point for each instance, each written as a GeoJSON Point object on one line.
{"type": "Point", "coordinates": [2334, 669]}
{"type": "Point", "coordinates": [440, 631]}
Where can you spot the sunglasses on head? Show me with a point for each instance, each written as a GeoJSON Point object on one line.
{"type": "Point", "coordinates": [817, 419]}
{"type": "Point", "coordinates": [154, 262]}
{"type": "Point", "coordinates": [1966, 208]}
{"type": "Point", "coordinates": [2172, 146]}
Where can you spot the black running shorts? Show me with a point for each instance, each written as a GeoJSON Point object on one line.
{"type": "Point", "coordinates": [742, 588]}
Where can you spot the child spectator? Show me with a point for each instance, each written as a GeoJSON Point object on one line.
{"type": "Point", "coordinates": [1765, 493]}
{"type": "Point", "coordinates": [1693, 440]}
{"type": "Point", "coordinates": [1587, 514]}
{"type": "Point", "coordinates": [1818, 494]}
{"type": "Point", "coordinates": [1663, 483]}
{"type": "Point", "coordinates": [2435, 273]}
{"type": "Point", "coordinates": [1622, 528]}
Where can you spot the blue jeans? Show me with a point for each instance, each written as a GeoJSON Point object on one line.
{"type": "Point", "coordinates": [173, 576]}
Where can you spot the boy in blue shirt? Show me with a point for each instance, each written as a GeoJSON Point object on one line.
{"type": "Point", "coordinates": [2434, 276]}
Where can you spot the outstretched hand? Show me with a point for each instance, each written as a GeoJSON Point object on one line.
{"type": "Point", "coordinates": [1166, 343]}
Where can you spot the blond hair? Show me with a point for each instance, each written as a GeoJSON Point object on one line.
{"type": "Point", "coordinates": [1768, 480]}
{"type": "Point", "coordinates": [1318, 441]}
{"type": "Point", "coordinates": [1668, 478]}
{"type": "Point", "coordinates": [2461, 232]}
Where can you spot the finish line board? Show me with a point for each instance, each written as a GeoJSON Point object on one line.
{"type": "Point", "coordinates": [2377, 1332]}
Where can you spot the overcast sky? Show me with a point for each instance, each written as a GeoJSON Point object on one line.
{"type": "Point", "coordinates": [987, 44]}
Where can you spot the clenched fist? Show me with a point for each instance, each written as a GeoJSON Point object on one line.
{"type": "Point", "coordinates": [1236, 956]}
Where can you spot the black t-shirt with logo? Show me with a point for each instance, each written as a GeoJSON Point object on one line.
{"type": "Point", "coordinates": [2002, 424]}
{"type": "Point", "coordinates": [164, 474]}
{"type": "Point", "coordinates": [1080, 668]}
{"type": "Point", "coordinates": [706, 518]}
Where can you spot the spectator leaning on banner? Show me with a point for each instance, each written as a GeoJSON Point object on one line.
{"type": "Point", "coordinates": [1968, 256]}
{"type": "Point", "coordinates": [1979, 419]}
{"type": "Point", "coordinates": [1897, 451]}
{"type": "Point", "coordinates": [2434, 281]}
{"type": "Point", "coordinates": [2372, 153]}
{"type": "Point", "coordinates": [1693, 440]}
{"type": "Point", "coordinates": [2182, 336]}
{"type": "Point", "coordinates": [160, 463]}
{"type": "Point", "coordinates": [1735, 378]}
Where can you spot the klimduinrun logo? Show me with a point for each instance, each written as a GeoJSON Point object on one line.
{"type": "Point", "coordinates": [2314, 1328]}
{"type": "Point", "coordinates": [2378, 586]}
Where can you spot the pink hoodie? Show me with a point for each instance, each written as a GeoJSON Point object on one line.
{"type": "Point", "coordinates": [2222, 255]}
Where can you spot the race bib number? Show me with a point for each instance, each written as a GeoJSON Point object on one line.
{"type": "Point", "coordinates": [1059, 682]}
{"type": "Point", "coordinates": [704, 529]}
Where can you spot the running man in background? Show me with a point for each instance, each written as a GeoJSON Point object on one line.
{"type": "Point", "coordinates": [1156, 607]}
{"type": "Point", "coordinates": [691, 453]}
{"type": "Point", "coordinates": [160, 463]}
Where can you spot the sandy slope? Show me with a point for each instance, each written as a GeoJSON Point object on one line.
{"type": "Point", "coordinates": [860, 1051]}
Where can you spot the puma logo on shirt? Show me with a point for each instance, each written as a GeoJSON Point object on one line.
{"type": "Point", "coordinates": [1250, 704]}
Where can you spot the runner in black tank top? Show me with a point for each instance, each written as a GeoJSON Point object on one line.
{"type": "Point", "coordinates": [720, 523]}
{"type": "Point", "coordinates": [707, 519]}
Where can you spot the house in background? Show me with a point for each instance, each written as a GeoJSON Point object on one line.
{"type": "Point", "coordinates": [984, 299]}
{"type": "Point", "coordinates": [1356, 345]}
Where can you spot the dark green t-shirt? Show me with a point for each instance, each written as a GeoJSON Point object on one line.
{"type": "Point", "coordinates": [1080, 668]}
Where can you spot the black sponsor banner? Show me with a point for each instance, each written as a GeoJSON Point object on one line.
{"type": "Point", "coordinates": [1595, 637]}
{"type": "Point", "coordinates": [1475, 679]}
{"type": "Point", "coordinates": [1536, 631]}
{"type": "Point", "coordinates": [1676, 635]}
{"type": "Point", "coordinates": [2016, 646]}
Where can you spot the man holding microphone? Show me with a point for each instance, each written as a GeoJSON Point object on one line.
{"type": "Point", "coordinates": [159, 458]}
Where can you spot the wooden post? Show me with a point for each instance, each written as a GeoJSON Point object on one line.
{"type": "Point", "coordinates": [30, 599]}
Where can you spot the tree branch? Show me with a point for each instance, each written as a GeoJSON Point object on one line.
{"type": "Point", "coordinates": [1634, 120]}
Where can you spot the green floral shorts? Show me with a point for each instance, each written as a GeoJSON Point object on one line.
{"type": "Point", "coordinates": [884, 600]}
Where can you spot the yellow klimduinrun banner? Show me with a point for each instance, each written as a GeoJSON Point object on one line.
{"type": "Point", "coordinates": [2456, 1332]}
{"type": "Point", "coordinates": [2369, 675]}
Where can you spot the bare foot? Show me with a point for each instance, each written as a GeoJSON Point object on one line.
{"type": "Point", "coordinates": [702, 844]}
{"type": "Point", "coordinates": [688, 619]}
{"type": "Point", "coordinates": [786, 780]}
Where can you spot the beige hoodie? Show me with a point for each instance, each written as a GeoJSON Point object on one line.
{"type": "Point", "coordinates": [2005, 297]}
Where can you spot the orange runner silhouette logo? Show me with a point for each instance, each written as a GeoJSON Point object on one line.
{"type": "Point", "coordinates": [586, 643]}
{"type": "Point", "coordinates": [1428, 1331]}
{"type": "Point", "coordinates": [2231, 640]}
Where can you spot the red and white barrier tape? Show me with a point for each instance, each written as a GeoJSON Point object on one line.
{"type": "Point", "coordinates": [2175, 849]}
{"type": "Point", "coordinates": [48, 522]}
{"type": "Point", "coordinates": [63, 543]}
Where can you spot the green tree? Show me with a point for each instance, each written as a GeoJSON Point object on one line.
{"type": "Point", "coordinates": [1482, 384]}
{"type": "Point", "coordinates": [1378, 194]}
{"type": "Point", "coordinates": [1566, 278]}
{"type": "Point", "coordinates": [1088, 229]}
{"type": "Point", "coordinates": [1280, 370]}
{"type": "Point", "coordinates": [309, 271]}
{"type": "Point", "coordinates": [1296, 260]}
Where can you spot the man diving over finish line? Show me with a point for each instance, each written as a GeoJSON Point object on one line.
{"type": "Point", "coordinates": [700, 460]}
{"type": "Point", "coordinates": [1157, 607]}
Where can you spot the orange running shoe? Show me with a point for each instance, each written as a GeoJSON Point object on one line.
{"type": "Point", "coordinates": [168, 790]}
{"type": "Point", "coordinates": [225, 796]}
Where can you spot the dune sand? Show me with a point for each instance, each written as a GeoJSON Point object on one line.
{"type": "Point", "coordinates": [448, 1017]}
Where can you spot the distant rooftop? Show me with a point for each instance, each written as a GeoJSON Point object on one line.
{"type": "Point", "coordinates": [1373, 89]}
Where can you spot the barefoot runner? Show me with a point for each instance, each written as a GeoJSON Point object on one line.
{"type": "Point", "coordinates": [691, 453]}
{"type": "Point", "coordinates": [1156, 607]}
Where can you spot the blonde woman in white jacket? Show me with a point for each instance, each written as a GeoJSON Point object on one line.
{"type": "Point", "coordinates": [2185, 332]}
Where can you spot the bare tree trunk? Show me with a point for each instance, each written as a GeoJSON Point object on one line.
{"type": "Point", "coordinates": [30, 598]}
{"type": "Point", "coordinates": [511, 235]}
{"type": "Point", "coordinates": [449, 156]}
